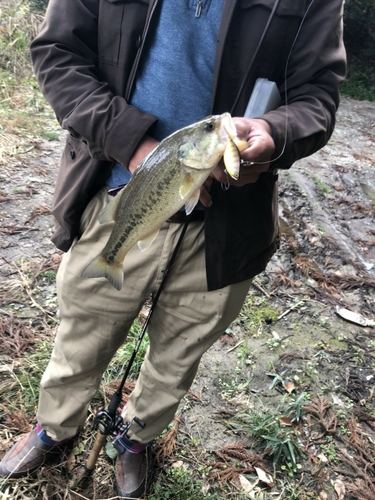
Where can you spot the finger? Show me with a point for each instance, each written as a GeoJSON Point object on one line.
{"type": "Point", "coordinates": [205, 197]}
{"type": "Point", "coordinates": [219, 173]}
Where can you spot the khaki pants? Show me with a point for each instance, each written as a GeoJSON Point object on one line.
{"type": "Point", "coordinates": [95, 319]}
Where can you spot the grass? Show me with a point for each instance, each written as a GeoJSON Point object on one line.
{"type": "Point", "coordinates": [24, 114]}
{"type": "Point", "coordinates": [322, 186]}
{"type": "Point", "coordinates": [25, 391]}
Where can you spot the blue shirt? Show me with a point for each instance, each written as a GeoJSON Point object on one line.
{"type": "Point", "coordinates": [175, 77]}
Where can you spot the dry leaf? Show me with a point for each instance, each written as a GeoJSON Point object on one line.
{"type": "Point", "coordinates": [337, 401]}
{"type": "Point", "coordinates": [340, 489]}
{"type": "Point", "coordinates": [246, 485]}
{"type": "Point", "coordinates": [322, 458]}
{"type": "Point", "coordinates": [323, 495]}
{"type": "Point", "coordinates": [275, 335]}
{"type": "Point", "coordinates": [264, 477]}
{"type": "Point", "coordinates": [285, 421]}
{"type": "Point", "coordinates": [206, 486]}
{"type": "Point", "coordinates": [178, 464]}
{"type": "Point", "coordinates": [289, 386]}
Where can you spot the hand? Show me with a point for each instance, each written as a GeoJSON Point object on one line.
{"type": "Point", "coordinates": [261, 146]}
{"type": "Point", "coordinates": [145, 147]}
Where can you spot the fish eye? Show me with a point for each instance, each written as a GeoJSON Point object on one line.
{"type": "Point", "coordinates": [209, 126]}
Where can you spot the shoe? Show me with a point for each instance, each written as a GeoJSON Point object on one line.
{"type": "Point", "coordinates": [26, 455]}
{"type": "Point", "coordinates": [134, 472]}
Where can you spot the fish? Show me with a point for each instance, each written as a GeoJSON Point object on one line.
{"type": "Point", "coordinates": [167, 179]}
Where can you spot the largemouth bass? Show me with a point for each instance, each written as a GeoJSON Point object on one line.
{"type": "Point", "coordinates": [167, 179]}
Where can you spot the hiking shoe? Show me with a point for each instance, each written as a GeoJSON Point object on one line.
{"type": "Point", "coordinates": [26, 455]}
{"type": "Point", "coordinates": [134, 472]}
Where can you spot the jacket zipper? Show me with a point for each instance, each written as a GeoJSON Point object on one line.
{"type": "Point", "coordinates": [198, 10]}
{"type": "Point", "coordinates": [130, 84]}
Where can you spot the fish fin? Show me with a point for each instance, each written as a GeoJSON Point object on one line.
{"type": "Point", "coordinates": [99, 268]}
{"type": "Point", "coordinates": [232, 159]}
{"type": "Point", "coordinates": [191, 201]}
{"type": "Point", "coordinates": [147, 242]}
{"type": "Point", "coordinates": [108, 214]}
{"type": "Point", "coordinates": [186, 186]}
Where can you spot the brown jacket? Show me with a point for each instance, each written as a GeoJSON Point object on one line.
{"type": "Point", "coordinates": [86, 59]}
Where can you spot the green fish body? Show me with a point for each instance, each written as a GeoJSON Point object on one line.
{"type": "Point", "coordinates": [167, 179]}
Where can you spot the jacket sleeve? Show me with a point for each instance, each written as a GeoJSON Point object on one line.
{"type": "Point", "coordinates": [66, 62]}
{"type": "Point", "coordinates": [310, 91]}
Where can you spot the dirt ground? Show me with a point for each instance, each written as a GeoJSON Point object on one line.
{"type": "Point", "coordinates": [288, 332]}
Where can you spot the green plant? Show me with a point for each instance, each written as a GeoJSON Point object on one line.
{"type": "Point", "coordinates": [291, 469]}
{"type": "Point", "coordinates": [49, 275]}
{"type": "Point", "coordinates": [256, 312]}
{"type": "Point", "coordinates": [344, 430]}
{"type": "Point", "coordinates": [322, 186]}
{"type": "Point", "coordinates": [267, 427]}
{"type": "Point", "coordinates": [17, 28]}
{"type": "Point", "coordinates": [295, 409]}
{"type": "Point", "coordinates": [284, 446]}
{"type": "Point", "coordinates": [232, 388]}
{"type": "Point", "coordinates": [277, 379]}
{"type": "Point", "coordinates": [273, 343]}
{"type": "Point", "coordinates": [51, 136]}
{"type": "Point", "coordinates": [246, 355]}
{"type": "Point", "coordinates": [329, 450]}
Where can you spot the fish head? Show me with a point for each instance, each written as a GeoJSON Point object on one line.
{"type": "Point", "coordinates": [203, 143]}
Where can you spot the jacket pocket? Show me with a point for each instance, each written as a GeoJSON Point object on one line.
{"type": "Point", "coordinates": [285, 8]}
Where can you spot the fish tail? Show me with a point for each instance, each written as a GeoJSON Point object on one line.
{"type": "Point", "coordinates": [99, 268]}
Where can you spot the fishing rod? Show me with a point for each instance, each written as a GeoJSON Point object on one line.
{"type": "Point", "coordinates": [109, 422]}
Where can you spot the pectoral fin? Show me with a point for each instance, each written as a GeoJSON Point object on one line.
{"type": "Point", "coordinates": [186, 186]}
{"type": "Point", "coordinates": [191, 201]}
{"type": "Point", "coordinates": [147, 242]}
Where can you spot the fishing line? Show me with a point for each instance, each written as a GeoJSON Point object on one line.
{"type": "Point", "coordinates": [286, 90]}
{"type": "Point", "coordinates": [285, 81]}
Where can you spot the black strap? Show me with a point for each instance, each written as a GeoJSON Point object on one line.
{"type": "Point", "coordinates": [249, 69]}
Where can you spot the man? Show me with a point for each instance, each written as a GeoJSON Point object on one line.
{"type": "Point", "coordinates": [121, 75]}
